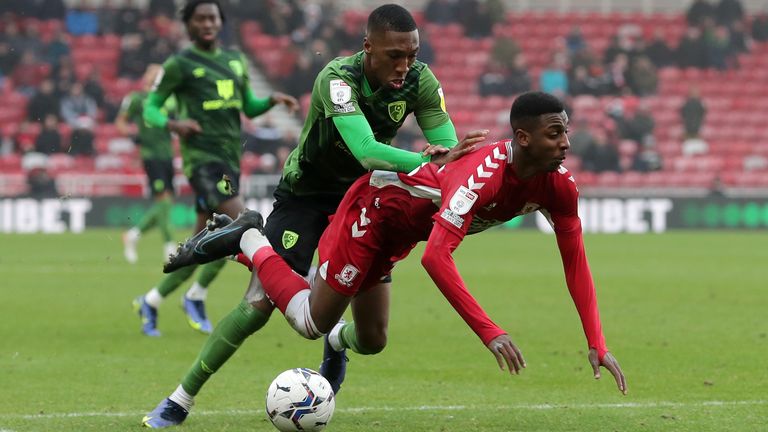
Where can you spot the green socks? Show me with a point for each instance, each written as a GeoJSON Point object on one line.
{"type": "Point", "coordinates": [173, 280]}
{"type": "Point", "coordinates": [226, 338]}
{"type": "Point", "coordinates": [348, 338]}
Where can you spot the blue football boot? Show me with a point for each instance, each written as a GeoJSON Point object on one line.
{"type": "Point", "coordinates": [334, 365]}
{"type": "Point", "coordinates": [167, 413]}
{"type": "Point", "coordinates": [196, 317]}
{"type": "Point", "coordinates": [220, 239]}
{"type": "Point", "coordinates": [148, 316]}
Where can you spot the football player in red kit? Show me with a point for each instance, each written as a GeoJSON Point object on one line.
{"type": "Point", "coordinates": [383, 215]}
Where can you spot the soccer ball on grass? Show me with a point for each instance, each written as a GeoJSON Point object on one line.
{"type": "Point", "coordinates": [300, 400]}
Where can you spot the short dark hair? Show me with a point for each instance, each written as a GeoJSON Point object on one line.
{"type": "Point", "coordinates": [189, 9]}
{"type": "Point", "coordinates": [529, 106]}
{"type": "Point", "coordinates": [390, 17]}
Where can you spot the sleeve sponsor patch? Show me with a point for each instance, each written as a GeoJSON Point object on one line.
{"type": "Point", "coordinates": [344, 108]}
{"type": "Point", "coordinates": [462, 200]}
{"type": "Point", "coordinates": [452, 218]}
{"type": "Point", "coordinates": [341, 92]}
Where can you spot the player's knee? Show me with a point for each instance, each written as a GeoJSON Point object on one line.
{"type": "Point", "coordinates": [372, 342]}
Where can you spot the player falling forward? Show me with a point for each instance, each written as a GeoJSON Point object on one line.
{"type": "Point", "coordinates": [157, 155]}
{"type": "Point", "coordinates": [384, 215]}
{"type": "Point", "coordinates": [212, 88]}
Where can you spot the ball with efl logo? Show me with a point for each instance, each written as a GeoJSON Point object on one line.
{"type": "Point", "coordinates": [300, 400]}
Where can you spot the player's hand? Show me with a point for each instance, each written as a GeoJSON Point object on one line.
{"type": "Point", "coordinates": [507, 352]}
{"type": "Point", "coordinates": [434, 149]}
{"type": "Point", "coordinates": [464, 146]}
{"type": "Point", "coordinates": [609, 362]}
{"type": "Point", "coordinates": [185, 127]}
{"type": "Point", "coordinates": [289, 101]}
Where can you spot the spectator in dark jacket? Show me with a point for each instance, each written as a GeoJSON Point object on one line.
{"type": "Point", "coordinates": [692, 113]}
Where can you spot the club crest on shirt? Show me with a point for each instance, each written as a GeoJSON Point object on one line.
{"type": "Point", "coordinates": [289, 239]}
{"type": "Point", "coordinates": [396, 110]}
{"type": "Point", "coordinates": [462, 200]}
{"type": "Point", "coordinates": [347, 275]}
{"type": "Point", "coordinates": [529, 207]}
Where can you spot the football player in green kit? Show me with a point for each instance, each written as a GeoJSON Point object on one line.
{"type": "Point", "coordinates": [212, 88]}
{"type": "Point", "coordinates": [157, 156]}
{"type": "Point", "coordinates": [358, 103]}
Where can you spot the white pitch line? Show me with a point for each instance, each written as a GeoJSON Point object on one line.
{"type": "Point", "coordinates": [519, 407]}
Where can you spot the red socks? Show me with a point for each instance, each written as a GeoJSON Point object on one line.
{"type": "Point", "coordinates": [279, 281]}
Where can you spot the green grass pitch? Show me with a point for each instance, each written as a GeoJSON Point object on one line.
{"type": "Point", "coordinates": [685, 314]}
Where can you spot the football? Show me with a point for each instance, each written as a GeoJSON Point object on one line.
{"type": "Point", "coordinates": [300, 400]}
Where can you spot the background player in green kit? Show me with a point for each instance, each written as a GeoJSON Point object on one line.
{"type": "Point", "coordinates": [157, 155]}
{"type": "Point", "coordinates": [212, 88]}
{"type": "Point", "coordinates": [358, 103]}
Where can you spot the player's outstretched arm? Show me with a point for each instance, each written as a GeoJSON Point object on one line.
{"type": "Point", "coordinates": [505, 350]}
{"type": "Point", "coordinates": [609, 362]}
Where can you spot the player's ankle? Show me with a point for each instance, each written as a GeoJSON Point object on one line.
{"type": "Point", "coordinates": [181, 397]}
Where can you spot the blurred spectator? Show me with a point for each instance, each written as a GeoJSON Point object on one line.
{"type": "Point", "coordinates": [505, 51]}
{"type": "Point", "coordinates": [692, 113]}
{"type": "Point", "coordinates": [51, 9]}
{"type": "Point", "coordinates": [78, 105]}
{"type": "Point", "coordinates": [80, 21]}
{"type": "Point", "coordinates": [302, 78]}
{"type": "Point", "coordinates": [718, 47]}
{"type": "Point", "coordinates": [81, 138]}
{"type": "Point", "coordinates": [583, 83]}
{"type": "Point", "coordinates": [659, 51]}
{"type": "Point", "coordinates": [691, 51]}
{"type": "Point", "coordinates": [29, 73]}
{"type": "Point", "coordinates": [64, 77]}
{"type": "Point", "coordinates": [699, 11]}
{"type": "Point", "coordinates": [49, 139]}
{"type": "Point", "coordinates": [729, 12]}
{"type": "Point", "coordinates": [9, 58]}
{"type": "Point", "coordinates": [500, 81]}
{"type": "Point", "coordinates": [642, 77]}
{"type": "Point", "coordinates": [580, 137]}
{"type": "Point", "coordinates": [40, 183]}
{"type": "Point", "coordinates": [93, 88]}
{"type": "Point", "coordinates": [440, 11]}
{"type": "Point", "coordinates": [166, 8]}
{"type": "Point", "coordinates": [263, 136]}
{"type": "Point", "coordinates": [574, 41]}
{"type": "Point", "coordinates": [29, 39]}
{"type": "Point", "coordinates": [127, 18]}
{"type": "Point", "coordinates": [43, 102]}
{"type": "Point", "coordinates": [760, 27]}
{"type": "Point", "coordinates": [553, 79]}
{"type": "Point", "coordinates": [740, 40]}
{"type": "Point", "coordinates": [648, 157]}
{"type": "Point", "coordinates": [476, 17]}
{"type": "Point", "coordinates": [24, 138]}
{"type": "Point", "coordinates": [639, 127]}
{"type": "Point", "coordinates": [426, 51]}
{"type": "Point", "coordinates": [616, 74]}
{"type": "Point", "coordinates": [56, 48]}
{"type": "Point", "coordinates": [601, 156]}
{"type": "Point", "coordinates": [133, 60]}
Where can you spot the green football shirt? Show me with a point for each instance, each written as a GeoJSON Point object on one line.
{"type": "Point", "coordinates": [323, 164]}
{"type": "Point", "coordinates": [154, 142]}
{"type": "Point", "coordinates": [210, 87]}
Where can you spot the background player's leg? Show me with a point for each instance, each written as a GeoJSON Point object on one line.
{"type": "Point", "coordinates": [193, 301]}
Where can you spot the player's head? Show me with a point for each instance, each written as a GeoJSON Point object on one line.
{"type": "Point", "coordinates": [391, 44]}
{"type": "Point", "coordinates": [203, 19]}
{"type": "Point", "coordinates": [540, 125]}
{"type": "Point", "coordinates": [150, 76]}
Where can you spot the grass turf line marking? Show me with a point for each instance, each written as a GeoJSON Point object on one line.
{"type": "Point", "coordinates": [531, 407]}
